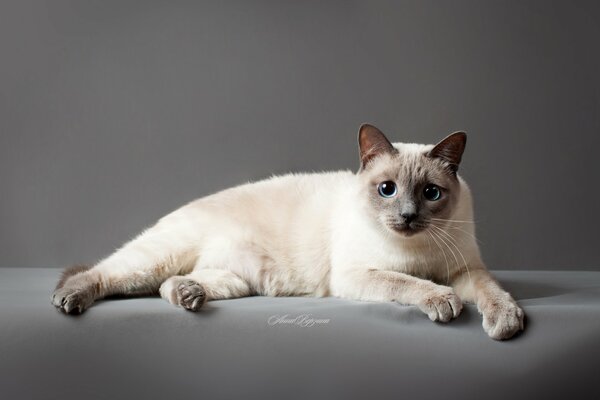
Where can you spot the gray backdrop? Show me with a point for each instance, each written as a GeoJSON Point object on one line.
{"type": "Point", "coordinates": [113, 113]}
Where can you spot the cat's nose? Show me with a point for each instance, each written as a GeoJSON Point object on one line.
{"type": "Point", "coordinates": [408, 217]}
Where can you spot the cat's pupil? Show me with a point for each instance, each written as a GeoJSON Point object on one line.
{"type": "Point", "coordinates": [387, 189]}
{"type": "Point", "coordinates": [432, 192]}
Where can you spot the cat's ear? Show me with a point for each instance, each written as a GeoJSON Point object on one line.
{"type": "Point", "coordinates": [450, 149]}
{"type": "Point", "coordinates": [372, 142]}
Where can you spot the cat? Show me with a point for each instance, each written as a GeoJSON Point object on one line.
{"type": "Point", "coordinates": [400, 229]}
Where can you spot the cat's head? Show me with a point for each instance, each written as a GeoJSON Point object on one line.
{"type": "Point", "coordinates": [409, 187]}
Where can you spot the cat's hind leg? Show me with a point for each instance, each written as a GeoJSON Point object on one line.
{"type": "Point", "coordinates": [138, 268]}
{"type": "Point", "coordinates": [193, 290]}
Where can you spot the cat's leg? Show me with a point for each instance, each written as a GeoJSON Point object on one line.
{"type": "Point", "coordinates": [193, 290]}
{"type": "Point", "coordinates": [438, 302]}
{"type": "Point", "coordinates": [502, 317]}
{"type": "Point", "coordinates": [139, 267]}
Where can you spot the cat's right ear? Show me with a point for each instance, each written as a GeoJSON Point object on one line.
{"type": "Point", "coordinates": [372, 142]}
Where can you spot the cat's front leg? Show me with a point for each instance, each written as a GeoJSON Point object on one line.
{"type": "Point", "coordinates": [440, 303]}
{"type": "Point", "coordinates": [203, 284]}
{"type": "Point", "coordinates": [502, 316]}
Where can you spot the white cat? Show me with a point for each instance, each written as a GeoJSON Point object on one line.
{"type": "Point", "coordinates": [400, 229]}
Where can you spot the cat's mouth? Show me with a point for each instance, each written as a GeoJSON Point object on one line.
{"type": "Point", "coordinates": [407, 229]}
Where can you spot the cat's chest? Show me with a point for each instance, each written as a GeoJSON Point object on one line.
{"type": "Point", "coordinates": [358, 243]}
{"type": "Point", "coordinates": [416, 262]}
{"type": "Point", "coordinates": [414, 258]}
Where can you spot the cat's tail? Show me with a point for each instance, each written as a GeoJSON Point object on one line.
{"type": "Point", "coordinates": [69, 272]}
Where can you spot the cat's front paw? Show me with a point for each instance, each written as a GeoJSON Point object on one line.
{"type": "Point", "coordinates": [71, 300]}
{"type": "Point", "coordinates": [440, 303]}
{"type": "Point", "coordinates": [502, 318]}
{"type": "Point", "coordinates": [190, 295]}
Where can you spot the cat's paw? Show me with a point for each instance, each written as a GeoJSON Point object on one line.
{"type": "Point", "coordinates": [440, 303]}
{"type": "Point", "coordinates": [190, 295]}
{"type": "Point", "coordinates": [71, 300]}
{"type": "Point", "coordinates": [502, 319]}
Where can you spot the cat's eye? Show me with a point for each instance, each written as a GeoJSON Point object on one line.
{"type": "Point", "coordinates": [432, 192]}
{"type": "Point", "coordinates": [387, 189]}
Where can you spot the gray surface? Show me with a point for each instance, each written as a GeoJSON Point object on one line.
{"type": "Point", "coordinates": [113, 113]}
{"type": "Point", "coordinates": [146, 348]}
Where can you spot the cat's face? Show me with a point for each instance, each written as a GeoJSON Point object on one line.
{"type": "Point", "coordinates": [409, 187]}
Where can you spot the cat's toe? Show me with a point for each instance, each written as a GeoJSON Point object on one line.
{"type": "Point", "coordinates": [502, 321]}
{"type": "Point", "coordinates": [441, 305]}
{"type": "Point", "coordinates": [191, 295]}
{"type": "Point", "coordinates": [71, 301]}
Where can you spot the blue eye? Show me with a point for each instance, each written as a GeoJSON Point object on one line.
{"type": "Point", "coordinates": [432, 192]}
{"type": "Point", "coordinates": [387, 189]}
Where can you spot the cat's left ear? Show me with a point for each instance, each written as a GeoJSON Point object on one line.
{"type": "Point", "coordinates": [450, 149]}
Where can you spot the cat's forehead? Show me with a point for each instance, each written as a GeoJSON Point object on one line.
{"type": "Point", "coordinates": [410, 162]}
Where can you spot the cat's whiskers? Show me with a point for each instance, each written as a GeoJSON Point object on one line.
{"type": "Point", "coordinates": [449, 223]}
{"type": "Point", "coordinates": [445, 243]}
{"type": "Point", "coordinates": [445, 258]}
{"type": "Point", "coordinates": [453, 242]}
{"type": "Point", "coordinates": [442, 230]}
{"type": "Point", "coordinates": [453, 220]}
{"type": "Point", "coordinates": [462, 230]}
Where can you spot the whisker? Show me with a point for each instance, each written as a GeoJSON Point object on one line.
{"type": "Point", "coordinates": [452, 220]}
{"type": "Point", "coordinates": [454, 243]}
{"type": "Point", "coordinates": [429, 244]}
{"type": "Point", "coordinates": [445, 258]}
{"type": "Point", "coordinates": [462, 230]}
{"type": "Point", "coordinates": [447, 235]}
{"type": "Point", "coordinates": [450, 226]}
{"type": "Point", "coordinates": [447, 246]}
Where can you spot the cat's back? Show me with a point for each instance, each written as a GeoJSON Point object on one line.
{"type": "Point", "coordinates": [279, 191]}
{"type": "Point", "coordinates": [276, 201]}
{"type": "Point", "coordinates": [303, 184]}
